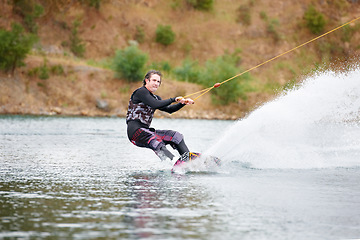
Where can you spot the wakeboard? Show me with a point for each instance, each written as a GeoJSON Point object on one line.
{"type": "Point", "coordinates": [196, 161]}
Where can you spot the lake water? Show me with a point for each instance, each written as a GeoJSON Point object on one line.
{"type": "Point", "coordinates": [291, 170]}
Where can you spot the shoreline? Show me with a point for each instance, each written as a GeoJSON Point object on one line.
{"type": "Point", "coordinates": [95, 92]}
{"type": "Point", "coordinates": [58, 112]}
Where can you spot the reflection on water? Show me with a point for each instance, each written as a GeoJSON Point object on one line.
{"type": "Point", "coordinates": [80, 178]}
{"type": "Point", "coordinates": [135, 205]}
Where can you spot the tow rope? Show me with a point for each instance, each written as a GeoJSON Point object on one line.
{"type": "Point", "coordinates": [216, 85]}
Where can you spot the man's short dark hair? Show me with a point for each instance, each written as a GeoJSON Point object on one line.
{"type": "Point", "coordinates": [150, 73]}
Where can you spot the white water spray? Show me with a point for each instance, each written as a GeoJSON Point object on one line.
{"type": "Point", "coordinates": [314, 126]}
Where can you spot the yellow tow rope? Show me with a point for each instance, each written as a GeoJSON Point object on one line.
{"type": "Point", "coordinates": [206, 90]}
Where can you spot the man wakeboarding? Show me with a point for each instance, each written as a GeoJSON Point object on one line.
{"type": "Point", "coordinates": [142, 105]}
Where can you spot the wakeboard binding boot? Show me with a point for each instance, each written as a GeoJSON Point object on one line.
{"type": "Point", "coordinates": [186, 157]}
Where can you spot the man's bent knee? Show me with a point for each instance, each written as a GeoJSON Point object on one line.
{"type": "Point", "coordinates": [171, 136]}
{"type": "Point", "coordinates": [178, 137]}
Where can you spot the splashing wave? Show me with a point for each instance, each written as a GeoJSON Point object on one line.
{"type": "Point", "coordinates": [316, 125]}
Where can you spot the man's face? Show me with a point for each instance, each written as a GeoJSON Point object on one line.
{"type": "Point", "coordinates": [153, 83]}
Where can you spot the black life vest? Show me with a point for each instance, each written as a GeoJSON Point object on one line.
{"type": "Point", "coordinates": [140, 111]}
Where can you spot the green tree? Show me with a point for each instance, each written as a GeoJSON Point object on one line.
{"type": "Point", "coordinates": [129, 63]}
{"type": "Point", "coordinates": [220, 69]}
{"type": "Point", "coordinates": [29, 19]}
{"type": "Point", "coordinates": [244, 14]}
{"type": "Point", "coordinates": [315, 20]}
{"type": "Point", "coordinates": [14, 46]}
{"type": "Point", "coordinates": [189, 71]}
{"type": "Point", "coordinates": [92, 3]}
{"type": "Point", "coordinates": [76, 44]}
{"type": "Point", "coordinates": [272, 29]}
{"type": "Point", "coordinates": [30, 11]}
{"type": "Point", "coordinates": [165, 35]}
{"type": "Point", "coordinates": [205, 5]}
{"type": "Point", "coordinates": [140, 34]}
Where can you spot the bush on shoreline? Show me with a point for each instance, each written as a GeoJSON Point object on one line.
{"type": "Point", "coordinates": [14, 46]}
